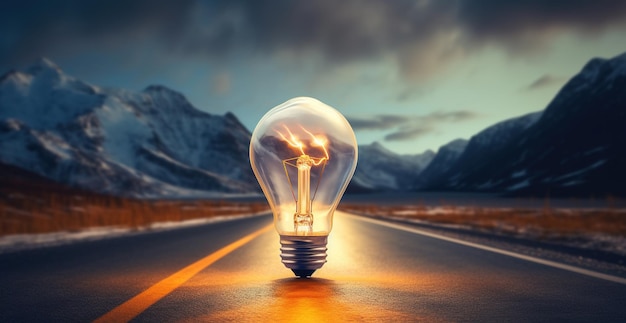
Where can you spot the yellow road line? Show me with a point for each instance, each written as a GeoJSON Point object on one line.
{"type": "Point", "coordinates": [136, 305]}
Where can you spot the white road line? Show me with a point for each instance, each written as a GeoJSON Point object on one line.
{"type": "Point", "coordinates": [550, 263]}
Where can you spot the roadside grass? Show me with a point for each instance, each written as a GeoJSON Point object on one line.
{"type": "Point", "coordinates": [541, 223]}
{"type": "Point", "coordinates": [37, 211]}
{"type": "Point", "coordinates": [23, 212]}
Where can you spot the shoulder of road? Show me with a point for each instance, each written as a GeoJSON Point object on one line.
{"type": "Point", "coordinates": [587, 258]}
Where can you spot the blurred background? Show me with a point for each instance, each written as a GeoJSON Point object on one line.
{"type": "Point", "coordinates": [125, 102]}
{"type": "Point", "coordinates": [412, 75]}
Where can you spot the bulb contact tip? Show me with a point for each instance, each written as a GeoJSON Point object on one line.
{"type": "Point", "coordinates": [303, 273]}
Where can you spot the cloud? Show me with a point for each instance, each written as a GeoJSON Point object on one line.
{"type": "Point", "coordinates": [522, 26]}
{"type": "Point", "coordinates": [545, 80]}
{"type": "Point", "coordinates": [408, 133]}
{"type": "Point", "coordinates": [37, 28]}
{"type": "Point", "coordinates": [379, 122]}
{"type": "Point", "coordinates": [404, 127]}
{"type": "Point", "coordinates": [420, 37]}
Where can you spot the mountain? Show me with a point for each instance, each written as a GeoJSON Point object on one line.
{"type": "Point", "coordinates": [380, 169]}
{"type": "Point", "coordinates": [113, 141]}
{"type": "Point", "coordinates": [154, 143]}
{"type": "Point", "coordinates": [435, 175]}
{"type": "Point", "coordinates": [467, 160]}
{"type": "Point", "coordinates": [577, 146]}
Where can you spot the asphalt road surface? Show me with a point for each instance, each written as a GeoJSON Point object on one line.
{"type": "Point", "coordinates": [231, 271]}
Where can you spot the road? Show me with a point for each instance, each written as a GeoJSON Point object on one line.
{"type": "Point", "coordinates": [374, 273]}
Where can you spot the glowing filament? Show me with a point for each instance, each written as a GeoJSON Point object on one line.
{"type": "Point", "coordinates": [303, 217]}
{"type": "Point", "coordinates": [303, 204]}
{"type": "Point", "coordinates": [318, 141]}
{"type": "Point", "coordinates": [292, 140]}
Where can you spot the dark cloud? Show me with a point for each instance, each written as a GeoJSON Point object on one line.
{"type": "Point", "coordinates": [38, 28]}
{"type": "Point", "coordinates": [545, 80]}
{"type": "Point", "coordinates": [404, 127]}
{"type": "Point", "coordinates": [408, 133]}
{"type": "Point", "coordinates": [422, 37]}
{"type": "Point", "coordinates": [354, 30]}
{"type": "Point", "coordinates": [525, 25]}
{"type": "Point", "coordinates": [379, 122]}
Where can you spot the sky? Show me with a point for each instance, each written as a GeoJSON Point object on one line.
{"type": "Point", "coordinates": [412, 75]}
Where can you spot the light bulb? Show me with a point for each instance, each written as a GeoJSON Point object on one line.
{"type": "Point", "coordinates": [303, 153]}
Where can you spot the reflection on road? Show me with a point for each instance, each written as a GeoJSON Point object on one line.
{"type": "Point", "coordinates": [307, 300]}
{"type": "Point", "coordinates": [373, 273]}
{"type": "Point", "coordinates": [348, 288]}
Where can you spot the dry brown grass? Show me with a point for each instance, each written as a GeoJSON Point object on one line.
{"type": "Point", "coordinates": [40, 213]}
{"type": "Point", "coordinates": [541, 222]}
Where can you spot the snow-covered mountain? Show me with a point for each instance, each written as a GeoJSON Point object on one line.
{"type": "Point", "coordinates": [155, 143]}
{"type": "Point", "coordinates": [577, 146]}
{"type": "Point", "coordinates": [148, 143]}
{"type": "Point", "coordinates": [381, 169]}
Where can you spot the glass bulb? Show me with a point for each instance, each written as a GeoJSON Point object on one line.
{"type": "Point", "coordinates": [303, 153]}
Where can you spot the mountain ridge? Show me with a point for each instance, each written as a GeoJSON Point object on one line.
{"type": "Point", "coordinates": [155, 143]}
{"type": "Point", "coordinates": [574, 148]}
{"type": "Point", "coordinates": [380, 169]}
{"type": "Point", "coordinates": [151, 143]}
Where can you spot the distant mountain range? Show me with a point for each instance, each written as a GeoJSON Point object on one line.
{"type": "Point", "coordinates": [154, 143]}
{"type": "Point", "coordinates": [379, 169]}
{"type": "Point", "coordinates": [577, 146]}
{"type": "Point", "coordinates": [461, 159]}
{"type": "Point", "coordinates": [142, 144]}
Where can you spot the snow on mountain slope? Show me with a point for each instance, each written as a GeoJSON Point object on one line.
{"type": "Point", "coordinates": [576, 146]}
{"type": "Point", "coordinates": [148, 143]}
{"type": "Point", "coordinates": [502, 132]}
{"type": "Point", "coordinates": [155, 143]}
{"type": "Point", "coordinates": [487, 142]}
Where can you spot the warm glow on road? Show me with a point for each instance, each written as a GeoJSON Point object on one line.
{"type": "Point", "coordinates": [308, 300]}
{"type": "Point", "coordinates": [361, 282]}
{"type": "Point", "coordinates": [375, 272]}
{"type": "Point", "coordinates": [279, 297]}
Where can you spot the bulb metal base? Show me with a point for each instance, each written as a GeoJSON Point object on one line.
{"type": "Point", "coordinates": [303, 254]}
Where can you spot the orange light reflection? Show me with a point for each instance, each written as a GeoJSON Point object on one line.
{"type": "Point", "coordinates": [292, 140]}
{"type": "Point", "coordinates": [306, 300]}
{"type": "Point", "coordinates": [317, 140]}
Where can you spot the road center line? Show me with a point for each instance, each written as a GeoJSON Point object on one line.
{"type": "Point", "coordinates": [136, 305]}
{"type": "Point", "coordinates": [550, 263]}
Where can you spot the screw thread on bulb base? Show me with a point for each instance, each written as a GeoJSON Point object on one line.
{"type": "Point", "coordinates": [303, 254]}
